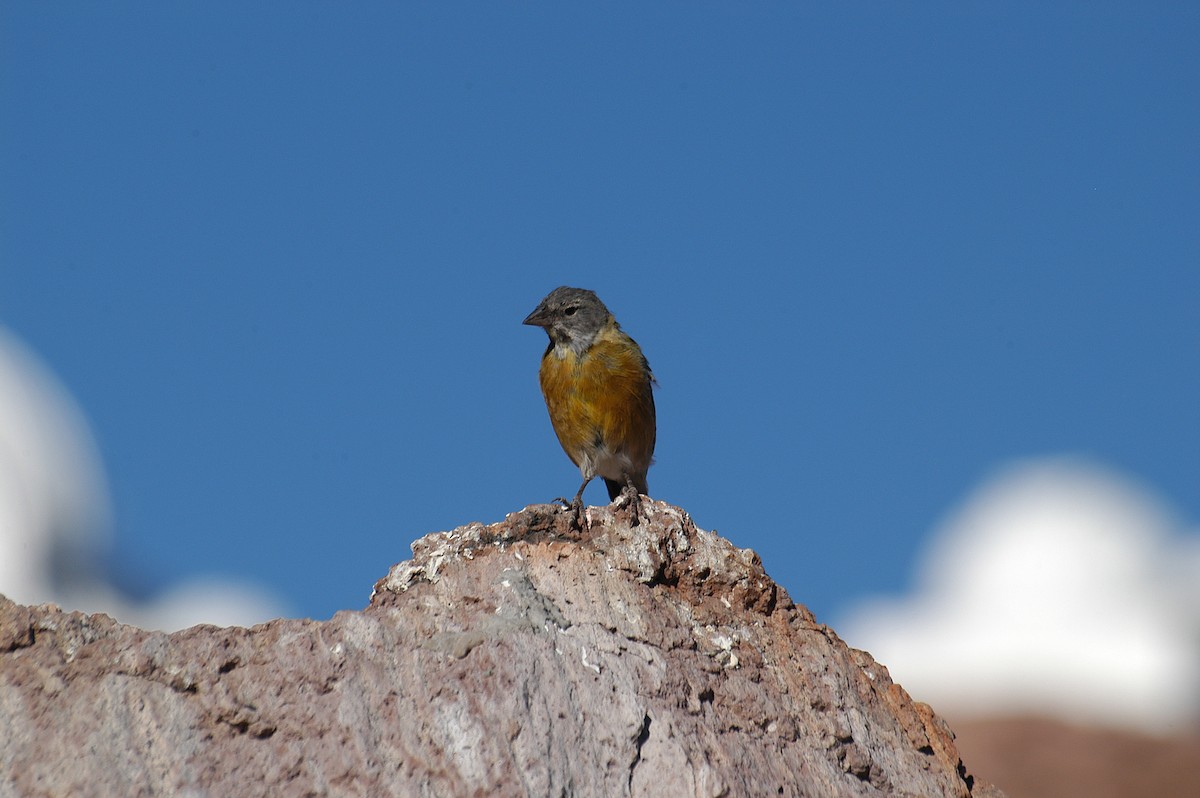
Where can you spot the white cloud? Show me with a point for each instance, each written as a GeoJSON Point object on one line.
{"type": "Point", "coordinates": [206, 600]}
{"type": "Point", "coordinates": [1059, 588]}
{"type": "Point", "coordinates": [55, 519]}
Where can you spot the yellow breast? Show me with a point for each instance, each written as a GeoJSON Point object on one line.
{"type": "Point", "coordinates": [602, 398]}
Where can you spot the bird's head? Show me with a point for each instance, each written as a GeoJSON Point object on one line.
{"type": "Point", "coordinates": [571, 317]}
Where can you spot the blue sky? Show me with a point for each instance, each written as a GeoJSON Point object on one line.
{"type": "Point", "coordinates": [280, 254]}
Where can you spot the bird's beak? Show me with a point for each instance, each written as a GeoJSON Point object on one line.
{"type": "Point", "coordinates": [538, 318]}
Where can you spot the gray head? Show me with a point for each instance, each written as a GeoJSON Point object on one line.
{"type": "Point", "coordinates": [570, 316]}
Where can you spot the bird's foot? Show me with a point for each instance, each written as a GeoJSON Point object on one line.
{"type": "Point", "coordinates": [578, 516]}
{"type": "Point", "coordinates": [629, 497]}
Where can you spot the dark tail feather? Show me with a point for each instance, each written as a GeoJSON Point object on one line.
{"type": "Point", "coordinates": [615, 487]}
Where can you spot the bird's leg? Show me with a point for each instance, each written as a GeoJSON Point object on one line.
{"type": "Point", "coordinates": [630, 496]}
{"type": "Point", "coordinates": [576, 506]}
{"type": "Point", "coordinates": [570, 503]}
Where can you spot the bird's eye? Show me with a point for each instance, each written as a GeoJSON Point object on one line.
{"type": "Point", "coordinates": [570, 311]}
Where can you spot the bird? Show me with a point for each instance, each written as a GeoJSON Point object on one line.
{"type": "Point", "coordinates": [598, 388]}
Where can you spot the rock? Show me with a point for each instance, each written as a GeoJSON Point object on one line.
{"type": "Point", "coordinates": [519, 658]}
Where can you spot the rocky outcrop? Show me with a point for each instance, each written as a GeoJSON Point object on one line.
{"type": "Point", "coordinates": [520, 658]}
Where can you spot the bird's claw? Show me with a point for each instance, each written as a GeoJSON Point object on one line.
{"type": "Point", "coordinates": [629, 497]}
{"type": "Point", "coordinates": [578, 516]}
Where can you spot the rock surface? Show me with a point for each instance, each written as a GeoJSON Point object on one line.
{"type": "Point", "coordinates": [512, 659]}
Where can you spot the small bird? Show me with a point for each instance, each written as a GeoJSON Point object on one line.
{"type": "Point", "coordinates": [598, 389]}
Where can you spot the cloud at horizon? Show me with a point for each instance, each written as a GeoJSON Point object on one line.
{"type": "Point", "coordinates": [1059, 588]}
{"type": "Point", "coordinates": [55, 515]}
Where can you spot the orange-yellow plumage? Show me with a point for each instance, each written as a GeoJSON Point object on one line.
{"type": "Point", "coordinates": [602, 399]}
